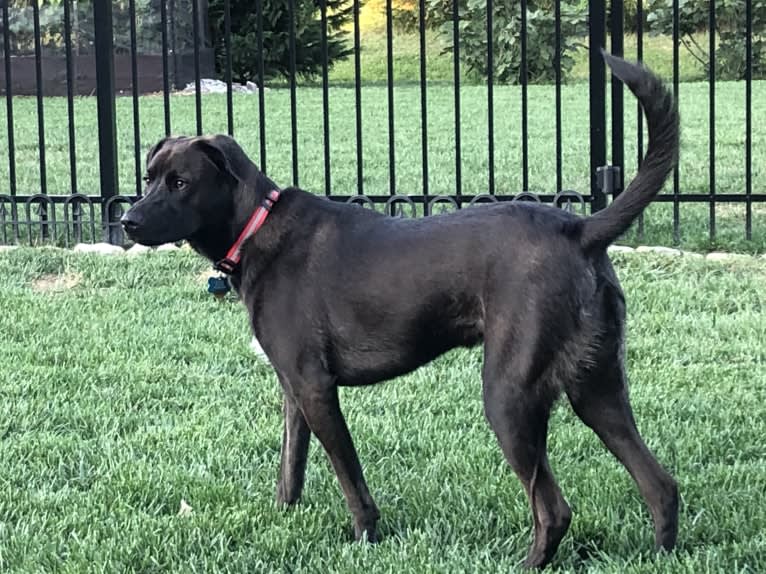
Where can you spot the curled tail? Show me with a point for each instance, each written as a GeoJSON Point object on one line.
{"type": "Point", "coordinates": [602, 228]}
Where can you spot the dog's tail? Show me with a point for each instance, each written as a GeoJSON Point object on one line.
{"type": "Point", "coordinates": [602, 228]}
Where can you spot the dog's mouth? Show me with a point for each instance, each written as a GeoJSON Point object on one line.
{"type": "Point", "coordinates": [154, 231]}
{"type": "Point", "coordinates": [137, 234]}
{"type": "Point", "coordinates": [146, 241]}
{"type": "Point", "coordinates": [151, 239]}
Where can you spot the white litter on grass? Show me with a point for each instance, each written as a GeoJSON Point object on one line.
{"type": "Point", "coordinates": [185, 509]}
{"type": "Point", "coordinates": [168, 247]}
{"type": "Point", "coordinates": [208, 86]}
{"type": "Point", "coordinates": [100, 248]}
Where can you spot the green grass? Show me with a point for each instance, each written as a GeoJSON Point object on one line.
{"type": "Point", "coordinates": [694, 170]}
{"type": "Point", "coordinates": [130, 389]}
{"type": "Point", "coordinates": [658, 53]}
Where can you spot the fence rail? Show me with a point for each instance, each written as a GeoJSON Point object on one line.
{"type": "Point", "coordinates": [73, 211]}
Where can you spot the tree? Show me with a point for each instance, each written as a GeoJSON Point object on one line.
{"type": "Point", "coordinates": [506, 31]}
{"type": "Point", "coordinates": [730, 27]}
{"type": "Point", "coordinates": [276, 33]}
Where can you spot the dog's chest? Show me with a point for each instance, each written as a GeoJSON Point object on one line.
{"type": "Point", "coordinates": [380, 343]}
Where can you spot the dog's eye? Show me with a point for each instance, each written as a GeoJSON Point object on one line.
{"type": "Point", "coordinates": [147, 179]}
{"type": "Point", "coordinates": [179, 184]}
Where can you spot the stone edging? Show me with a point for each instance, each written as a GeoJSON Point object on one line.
{"type": "Point", "coordinates": [108, 249]}
{"type": "Point", "coordinates": [673, 252]}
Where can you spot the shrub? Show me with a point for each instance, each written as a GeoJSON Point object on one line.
{"type": "Point", "coordinates": [506, 26]}
{"type": "Point", "coordinates": [276, 30]}
{"type": "Point", "coordinates": [730, 28]}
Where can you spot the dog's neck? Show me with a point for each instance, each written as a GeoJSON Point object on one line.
{"type": "Point", "coordinates": [214, 242]}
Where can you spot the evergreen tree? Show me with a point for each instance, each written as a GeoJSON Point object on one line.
{"type": "Point", "coordinates": [276, 34]}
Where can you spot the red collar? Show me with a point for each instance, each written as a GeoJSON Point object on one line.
{"type": "Point", "coordinates": [229, 263]}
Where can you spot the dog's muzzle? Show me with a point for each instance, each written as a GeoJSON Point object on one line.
{"type": "Point", "coordinates": [129, 222]}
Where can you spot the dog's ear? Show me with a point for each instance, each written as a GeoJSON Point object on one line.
{"type": "Point", "coordinates": [228, 157]}
{"type": "Point", "coordinates": [164, 142]}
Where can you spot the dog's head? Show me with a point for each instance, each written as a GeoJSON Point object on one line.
{"type": "Point", "coordinates": [190, 186]}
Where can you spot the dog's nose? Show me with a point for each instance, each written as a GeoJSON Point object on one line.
{"type": "Point", "coordinates": [129, 222]}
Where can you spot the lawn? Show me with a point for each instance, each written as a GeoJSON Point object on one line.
{"type": "Point", "coordinates": [658, 53]}
{"type": "Point", "coordinates": [125, 388]}
{"type": "Point", "coordinates": [694, 167]}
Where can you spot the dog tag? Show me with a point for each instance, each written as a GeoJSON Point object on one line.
{"type": "Point", "coordinates": [218, 286]}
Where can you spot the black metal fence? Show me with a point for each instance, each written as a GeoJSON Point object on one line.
{"type": "Point", "coordinates": [72, 213]}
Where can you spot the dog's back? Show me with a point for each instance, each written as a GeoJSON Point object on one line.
{"type": "Point", "coordinates": [404, 291]}
{"type": "Point", "coordinates": [516, 268]}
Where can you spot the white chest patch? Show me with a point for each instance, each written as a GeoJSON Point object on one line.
{"type": "Point", "coordinates": [258, 350]}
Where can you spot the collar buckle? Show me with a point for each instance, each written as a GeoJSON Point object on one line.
{"type": "Point", "coordinates": [225, 265]}
{"type": "Point", "coordinates": [270, 199]}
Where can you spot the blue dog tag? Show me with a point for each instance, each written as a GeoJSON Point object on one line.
{"type": "Point", "coordinates": [218, 286]}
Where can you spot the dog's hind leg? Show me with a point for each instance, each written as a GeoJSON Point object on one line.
{"type": "Point", "coordinates": [295, 447]}
{"type": "Point", "coordinates": [518, 409]}
{"type": "Point", "coordinates": [601, 401]}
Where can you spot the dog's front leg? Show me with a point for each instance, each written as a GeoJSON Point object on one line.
{"type": "Point", "coordinates": [321, 409]}
{"type": "Point", "coordinates": [295, 447]}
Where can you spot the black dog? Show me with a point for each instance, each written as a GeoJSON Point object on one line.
{"type": "Point", "coordinates": [342, 296]}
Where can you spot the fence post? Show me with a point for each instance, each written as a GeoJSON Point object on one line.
{"type": "Point", "coordinates": [618, 133]}
{"type": "Point", "coordinates": [597, 37]}
{"type": "Point", "coordinates": [107, 127]}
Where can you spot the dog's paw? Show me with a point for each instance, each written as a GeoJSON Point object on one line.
{"type": "Point", "coordinates": [366, 536]}
{"type": "Point", "coordinates": [366, 532]}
